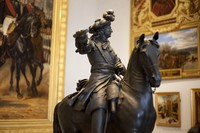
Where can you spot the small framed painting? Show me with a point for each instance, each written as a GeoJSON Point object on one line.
{"type": "Point", "coordinates": [168, 109]}
{"type": "Point", "coordinates": [195, 106]}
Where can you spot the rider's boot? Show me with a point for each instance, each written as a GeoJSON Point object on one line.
{"type": "Point", "coordinates": [98, 120]}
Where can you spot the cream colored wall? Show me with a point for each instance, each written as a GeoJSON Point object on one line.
{"type": "Point", "coordinates": [81, 15]}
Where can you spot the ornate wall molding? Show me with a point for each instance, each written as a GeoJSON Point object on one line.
{"type": "Point", "coordinates": [143, 19]}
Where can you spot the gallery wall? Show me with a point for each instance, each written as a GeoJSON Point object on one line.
{"type": "Point", "coordinates": [81, 15]}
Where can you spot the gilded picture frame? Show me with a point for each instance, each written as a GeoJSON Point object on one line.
{"type": "Point", "coordinates": [195, 106]}
{"type": "Point", "coordinates": [56, 76]}
{"type": "Point", "coordinates": [179, 17]}
{"type": "Point", "coordinates": [168, 109]}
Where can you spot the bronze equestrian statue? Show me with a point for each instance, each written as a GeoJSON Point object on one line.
{"type": "Point", "coordinates": [105, 103]}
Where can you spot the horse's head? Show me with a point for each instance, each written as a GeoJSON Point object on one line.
{"type": "Point", "coordinates": [29, 25]}
{"type": "Point", "coordinates": [149, 52]}
{"type": "Point", "coordinates": [40, 13]}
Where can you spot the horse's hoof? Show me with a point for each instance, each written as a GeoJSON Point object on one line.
{"type": "Point", "coordinates": [19, 96]}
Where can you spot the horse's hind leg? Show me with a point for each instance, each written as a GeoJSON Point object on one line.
{"type": "Point", "coordinates": [12, 68]}
{"type": "Point", "coordinates": [19, 95]}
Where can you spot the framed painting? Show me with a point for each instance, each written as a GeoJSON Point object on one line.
{"type": "Point", "coordinates": [162, 7]}
{"type": "Point", "coordinates": [168, 109]}
{"type": "Point", "coordinates": [195, 106]}
{"type": "Point", "coordinates": [163, 16]}
{"type": "Point", "coordinates": [179, 53]}
{"type": "Point", "coordinates": [34, 113]}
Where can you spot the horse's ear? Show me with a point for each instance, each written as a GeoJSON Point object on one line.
{"type": "Point", "coordinates": [141, 39]}
{"type": "Point", "coordinates": [156, 36]}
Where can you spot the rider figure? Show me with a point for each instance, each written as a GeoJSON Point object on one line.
{"type": "Point", "coordinates": [29, 7]}
{"type": "Point", "coordinates": [38, 40]}
{"type": "Point", "coordinates": [9, 14]}
{"type": "Point", "coordinates": [102, 89]}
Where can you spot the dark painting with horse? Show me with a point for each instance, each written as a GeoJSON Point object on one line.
{"type": "Point", "coordinates": [21, 54]}
{"type": "Point", "coordinates": [19, 48]}
{"type": "Point", "coordinates": [114, 99]}
{"type": "Point", "coordinates": [11, 8]}
{"type": "Point", "coordinates": [9, 15]}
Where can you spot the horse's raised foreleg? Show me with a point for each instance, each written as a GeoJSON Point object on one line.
{"type": "Point", "coordinates": [19, 95]}
{"type": "Point", "coordinates": [12, 68]}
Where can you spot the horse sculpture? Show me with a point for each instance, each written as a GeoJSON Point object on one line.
{"type": "Point", "coordinates": [135, 113]}
{"type": "Point", "coordinates": [20, 48]}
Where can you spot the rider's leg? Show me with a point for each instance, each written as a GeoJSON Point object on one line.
{"type": "Point", "coordinates": [98, 120]}
{"type": "Point", "coordinates": [97, 107]}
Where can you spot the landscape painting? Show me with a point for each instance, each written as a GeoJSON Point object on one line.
{"type": "Point", "coordinates": [18, 99]}
{"type": "Point", "coordinates": [178, 52]}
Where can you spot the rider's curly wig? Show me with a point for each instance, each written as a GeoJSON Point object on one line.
{"type": "Point", "coordinates": [107, 18]}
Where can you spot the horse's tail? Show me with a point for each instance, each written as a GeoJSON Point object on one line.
{"type": "Point", "coordinates": [56, 124]}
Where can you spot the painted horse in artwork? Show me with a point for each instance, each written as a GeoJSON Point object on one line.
{"type": "Point", "coordinates": [135, 113]}
{"type": "Point", "coordinates": [20, 49]}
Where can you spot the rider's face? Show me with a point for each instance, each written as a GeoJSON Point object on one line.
{"type": "Point", "coordinates": [108, 30]}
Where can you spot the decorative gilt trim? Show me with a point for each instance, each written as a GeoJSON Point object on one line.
{"type": "Point", "coordinates": [144, 21]}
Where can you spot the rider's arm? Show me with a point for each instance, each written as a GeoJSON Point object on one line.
{"type": "Point", "coordinates": [120, 69]}
{"type": "Point", "coordinates": [82, 43]}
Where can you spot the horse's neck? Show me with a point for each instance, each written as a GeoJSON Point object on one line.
{"type": "Point", "coordinates": [135, 77]}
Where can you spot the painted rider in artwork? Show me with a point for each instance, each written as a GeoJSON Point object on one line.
{"type": "Point", "coordinates": [101, 92]}
{"type": "Point", "coordinates": [29, 7]}
{"type": "Point", "coordinates": [10, 13]}
{"type": "Point", "coordinates": [38, 40]}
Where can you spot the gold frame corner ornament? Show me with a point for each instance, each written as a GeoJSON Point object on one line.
{"type": "Point", "coordinates": [57, 72]}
